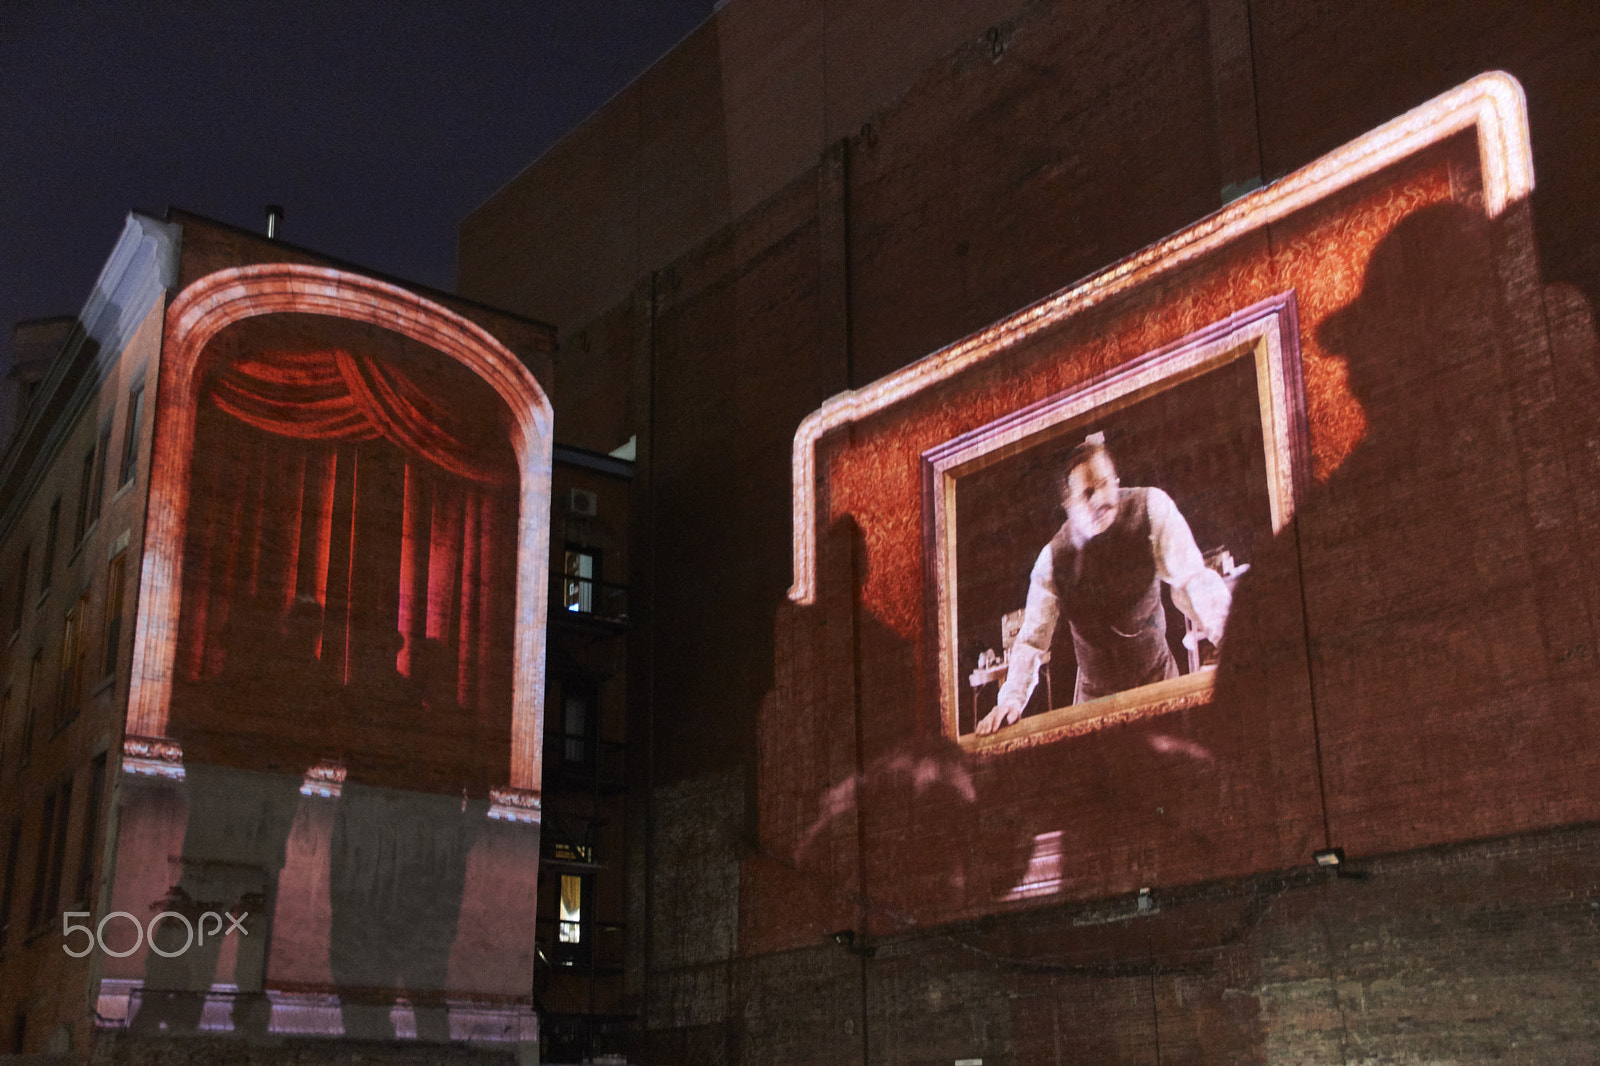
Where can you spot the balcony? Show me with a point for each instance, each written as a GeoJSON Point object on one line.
{"type": "Point", "coordinates": [586, 1037]}
{"type": "Point", "coordinates": [588, 601]}
{"type": "Point", "coordinates": [589, 947]}
{"type": "Point", "coordinates": [577, 759]}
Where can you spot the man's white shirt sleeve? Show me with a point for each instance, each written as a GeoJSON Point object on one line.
{"type": "Point", "coordinates": [1180, 564]}
{"type": "Point", "coordinates": [1033, 639]}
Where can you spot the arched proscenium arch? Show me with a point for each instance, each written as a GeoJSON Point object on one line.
{"type": "Point", "coordinates": [217, 301]}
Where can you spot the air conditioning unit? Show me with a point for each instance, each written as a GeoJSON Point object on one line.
{"type": "Point", "coordinates": [583, 503]}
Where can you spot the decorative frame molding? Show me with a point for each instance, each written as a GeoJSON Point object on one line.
{"type": "Point", "coordinates": [1267, 333]}
{"type": "Point", "coordinates": [1493, 103]}
{"type": "Point", "coordinates": [217, 301]}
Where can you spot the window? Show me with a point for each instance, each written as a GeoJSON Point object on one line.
{"type": "Point", "coordinates": [22, 590]}
{"type": "Point", "coordinates": [35, 671]}
{"type": "Point", "coordinates": [58, 850]}
{"type": "Point", "coordinates": [52, 849]}
{"type": "Point", "coordinates": [40, 872]}
{"type": "Point", "coordinates": [580, 567]}
{"type": "Point", "coordinates": [130, 437]}
{"type": "Point", "coordinates": [70, 684]}
{"type": "Point", "coordinates": [116, 575]}
{"type": "Point", "coordinates": [48, 570]}
{"type": "Point", "coordinates": [570, 930]}
{"type": "Point", "coordinates": [97, 488]}
{"type": "Point", "coordinates": [575, 724]}
{"type": "Point", "coordinates": [8, 886]}
{"type": "Point", "coordinates": [571, 917]}
{"type": "Point", "coordinates": [84, 893]}
{"type": "Point", "coordinates": [85, 494]}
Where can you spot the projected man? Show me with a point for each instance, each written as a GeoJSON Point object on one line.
{"type": "Point", "coordinates": [1102, 572]}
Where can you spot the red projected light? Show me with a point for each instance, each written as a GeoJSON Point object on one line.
{"type": "Point", "coordinates": [1492, 103]}
{"type": "Point", "coordinates": [194, 319]}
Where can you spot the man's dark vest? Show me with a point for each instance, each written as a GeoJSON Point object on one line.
{"type": "Point", "coordinates": [1109, 593]}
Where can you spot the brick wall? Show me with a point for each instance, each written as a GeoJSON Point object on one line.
{"type": "Point", "coordinates": [1008, 167]}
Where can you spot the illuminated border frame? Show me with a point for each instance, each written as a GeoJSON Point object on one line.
{"type": "Point", "coordinates": [1493, 103]}
{"type": "Point", "coordinates": [194, 319]}
{"type": "Point", "coordinates": [1267, 333]}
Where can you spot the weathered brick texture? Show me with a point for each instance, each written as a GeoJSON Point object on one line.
{"type": "Point", "coordinates": [1448, 621]}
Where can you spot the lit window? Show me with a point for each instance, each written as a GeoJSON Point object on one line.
{"type": "Point", "coordinates": [579, 569]}
{"type": "Point", "coordinates": [571, 930]}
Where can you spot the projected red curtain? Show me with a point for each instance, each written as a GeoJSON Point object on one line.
{"type": "Point", "coordinates": [340, 396]}
{"type": "Point", "coordinates": [349, 485]}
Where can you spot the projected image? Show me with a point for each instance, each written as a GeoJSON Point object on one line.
{"type": "Point", "coordinates": [347, 564]}
{"type": "Point", "coordinates": [1102, 575]}
{"type": "Point", "coordinates": [1087, 550]}
{"type": "Point", "coordinates": [343, 694]}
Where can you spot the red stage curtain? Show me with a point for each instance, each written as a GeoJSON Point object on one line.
{"type": "Point", "coordinates": [352, 488]}
{"type": "Point", "coordinates": [339, 396]}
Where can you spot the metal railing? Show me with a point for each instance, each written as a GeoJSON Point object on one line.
{"type": "Point", "coordinates": [581, 755]}
{"type": "Point", "coordinates": [589, 597]}
{"type": "Point", "coordinates": [600, 947]}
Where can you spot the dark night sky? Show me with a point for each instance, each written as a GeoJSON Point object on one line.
{"type": "Point", "coordinates": [377, 125]}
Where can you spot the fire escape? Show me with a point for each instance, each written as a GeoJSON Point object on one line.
{"type": "Point", "coordinates": [578, 978]}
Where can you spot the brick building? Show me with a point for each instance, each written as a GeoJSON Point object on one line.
{"type": "Point", "coordinates": [845, 284]}
{"type": "Point", "coordinates": [74, 473]}
{"type": "Point", "coordinates": [276, 543]}
{"type": "Point", "coordinates": [826, 261]}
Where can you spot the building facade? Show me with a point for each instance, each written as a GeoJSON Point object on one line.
{"type": "Point", "coordinates": [856, 277]}
{"type": "Point", "coordinates": [276, 537]}
{"type": "Point", "coordinates": [584, 1012]}
{"type": "Point", "coordinates": [798, 647]}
